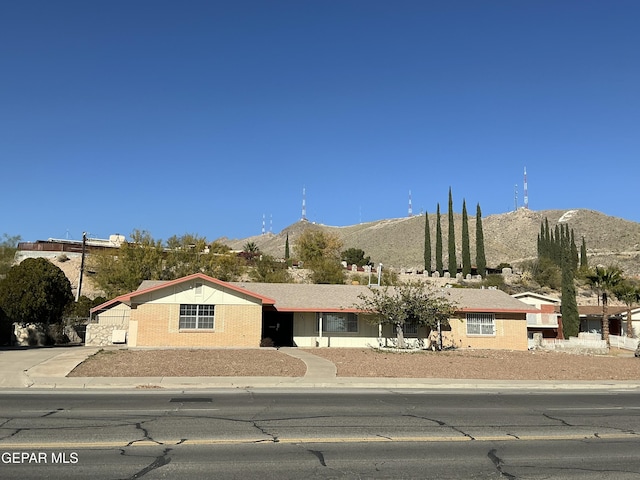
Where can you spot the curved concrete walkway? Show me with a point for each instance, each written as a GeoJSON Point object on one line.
{"type": "Point", "coordinates": [318, 368]}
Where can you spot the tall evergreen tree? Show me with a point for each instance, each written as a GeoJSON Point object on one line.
{"type": "Point", "coordinates": [574, 253]}
{"type": "Point", "coordinates": [427, 244]}
{"type": "Point", "coordinates": [584, 264]}
{"type": "Point", "coordinates": [557, 246]}
{"type": "Point", "coordinates": [439, 265]}
{"type": "Point", "coordinates": [453, 263]}
{"type": "Point", "coordinates": [466, 251]}
{"type": "Point", "coordinates": [569, 306]}
{"type": "Point", "coordinates": [286, 248]}
{"type": "Point", "coordinates": [481, 261]}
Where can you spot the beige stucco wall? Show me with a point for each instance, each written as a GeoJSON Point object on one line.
{"type": "Point", "coordinates": [510, 334]}
{"type": "Point", "coordinates": [305, 333]}
{"type": "Point", "coordinates": [187, 293]}
{"type": "Point", "coordinates": [116, 315]}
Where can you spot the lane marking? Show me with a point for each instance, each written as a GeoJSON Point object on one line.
{"type": "Point", "coordinates": [297, 440]}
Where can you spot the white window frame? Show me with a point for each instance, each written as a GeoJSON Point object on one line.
{"type": "Point", "coordinates": [330, 320]}
{"type": "Point", "coordinates": [196, 317]}
{"type": "Point", "coordinates": [481, 324]}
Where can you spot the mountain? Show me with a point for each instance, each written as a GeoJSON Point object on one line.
{"type": "Point", "coordinates": [508, 237]}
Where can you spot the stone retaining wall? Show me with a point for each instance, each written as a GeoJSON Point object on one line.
{"type": "Point", "coordinates": [101, 335]}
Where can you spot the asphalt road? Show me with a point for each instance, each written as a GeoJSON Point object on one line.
{"type": "Point", "coordinates": [319, 434]}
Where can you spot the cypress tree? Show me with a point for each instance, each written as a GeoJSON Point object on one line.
{"type": "Point", "coordinates": [569, 306]}
{"type": "Point", "coordinates": [466, 251]}
{"type": "Point", "coordinates": [286, 249]}
{"type": "Point", "coordinates": [547, 239]}
{"type": "Point", "coordinates": [427, 244]}
{"type": "Point", "coordinates": [574, 254]}
{"type": "Point", "coordinates": [481, 261]}
{"type": "Point", "coordinates": [584, 265]}
{"type": "Point", "coordinates": [439, 267]}
{"type": "Point", "coordinates": [453, 263]}
{"type": "Point", "coordinates": [557, 246]}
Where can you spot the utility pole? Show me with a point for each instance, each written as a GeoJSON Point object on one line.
{"type": "Point", "coordinates": [84, 248]}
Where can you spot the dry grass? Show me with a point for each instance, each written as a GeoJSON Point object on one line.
{"type": "Point", "coordinates": [355, 362]}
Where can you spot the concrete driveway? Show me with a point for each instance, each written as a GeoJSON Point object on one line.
{"type": "Point", "coordinates": [47, 361]}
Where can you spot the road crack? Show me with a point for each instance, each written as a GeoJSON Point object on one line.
{"type": "Point", "coordinates": [561, 420]}
{"type": "Point", "coordinates": [498, 462]}
{"type": "Point", "coordinates": [160, 461]}
{"type": "Point", "coordinates": [320, 456]}
{"type": "Point", "coordinates": [274, 438]}
{"type": "Point", "coordinates": [145, 436]}
{"type": "Point", "coordinates": [444, 424]}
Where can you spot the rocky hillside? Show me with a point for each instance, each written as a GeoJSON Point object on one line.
{"type": "Point", "coordinates": [509, 237]}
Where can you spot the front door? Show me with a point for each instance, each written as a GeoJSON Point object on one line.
{"type": "Point", "coordinates": [277, 326]}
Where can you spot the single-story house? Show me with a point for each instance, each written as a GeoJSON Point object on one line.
{"type": "Point", "coordinates": [547, 320]}
{"type": "Point", "coordinates": [635, 322]}
{"type": "Point", "coordinates": [591, 319]}
{"type": "Point", "coordinates": [201, 311]}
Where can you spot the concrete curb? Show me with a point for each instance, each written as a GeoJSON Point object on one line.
{"type": "Point", "coordinates": [51, 374]}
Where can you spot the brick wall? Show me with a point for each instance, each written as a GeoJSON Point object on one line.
{"type": "Point", "coordinates": [510, 334]}
{"type": "Point", "coordinates": [234, 326]}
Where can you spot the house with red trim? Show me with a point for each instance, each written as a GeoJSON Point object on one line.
{"type": "Point", "coordinates": [547, 320]}
{"type": "Point", "coordinates": [201, 311]}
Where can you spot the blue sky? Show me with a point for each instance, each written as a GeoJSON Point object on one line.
{"type": "Point", "coordinates": [202, 116]}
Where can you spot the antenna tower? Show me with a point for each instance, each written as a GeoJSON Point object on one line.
{"type": "Point", "coordinates": [410, 206]}
{"type": "Point", "coordinates": [263, 224]}
{"type": "Point", "coordinates": [304, 203]}
{"type": "Point", "coordinates": [515, 197]}
{"type": "Point", "coordinates": [526, 190]}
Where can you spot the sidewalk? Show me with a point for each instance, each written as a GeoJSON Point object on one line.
{"type": "Point", "coordinates": [47, 368]}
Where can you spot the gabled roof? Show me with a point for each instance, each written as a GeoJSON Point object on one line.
{"type": "Point", "coordinates": [302, 297]}
{"type": "Point", "coordinates": [487, 300]}
{"type": "Point", "coordinates": [306, 297]}
{"type": "Point", "coordinates": [296, 297]}
{"type": "Point", "coordinates": [596, 310]}
{"type": "Point", "coordinates": [153, 285]}
{"type": "Point", "coordinates": [539, 296]}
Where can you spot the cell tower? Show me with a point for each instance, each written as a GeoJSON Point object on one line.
{"type": "Point", "coordinates": [304, 203]}
{"type": "Point", "coordinates": [526, 190]}
{"type": "Point", "coordinates": [271, 223]}
{"type": "Point", "coordinates": [410, 206]}
{"type": "Point", "coordinates": [263, 232]}
{"type": "Point", "coordinates": [515, 197]}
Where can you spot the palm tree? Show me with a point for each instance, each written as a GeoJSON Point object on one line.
{"type": "Point", "coordinates": [628, 292]}
{"type": "Point", "coordinates": [603, 281]}
{"type": "Point", "coordinates": [250, 250]}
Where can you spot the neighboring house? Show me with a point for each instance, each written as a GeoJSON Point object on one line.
{"type": "Point", "coordinates": [198, 310]}
{"type": "Point", "coordinates": [547, 320]}
{"type": "Point", "coordinates": [591, 319]}
{"type": "Point", "coordinates": [635, 322]}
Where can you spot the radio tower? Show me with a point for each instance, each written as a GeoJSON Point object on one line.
{"type": "Point", "coordinates": [304, 203]}
{"type": "Point", "coordinates": [526, 193]}
{"type": "Point", "coordinates": [410, 207]}
{"type": "Point", "coordinates": [515, 197]}
{"type": "Point", "coordinates": [263, 224]}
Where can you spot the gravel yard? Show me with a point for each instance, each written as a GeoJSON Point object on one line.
{"type": "Point", "coordinates": [483, 364]}
{"type": "Point", "coordinates": [352, 362]}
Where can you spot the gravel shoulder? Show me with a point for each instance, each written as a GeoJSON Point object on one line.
{"type": "Point", "coordinates": [362, 362]}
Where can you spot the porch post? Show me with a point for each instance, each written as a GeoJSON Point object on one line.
{"type": "Point", "coordinates": [320, 325]}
